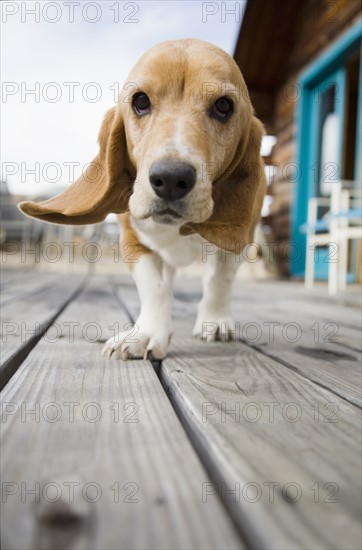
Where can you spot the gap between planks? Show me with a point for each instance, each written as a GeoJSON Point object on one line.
{"type": "Point", "coordinates": [189, 384]}
{"type": "Point", "coordinates": [22, 311]}
{"type": "Point", "coordinates": [155, 453]}
{"type": "Point", "coordinates": [342, 378]}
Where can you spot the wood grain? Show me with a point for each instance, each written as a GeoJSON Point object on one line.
{"type": "Point", "coordinates": [17, 287]}
{"type": "Point", "coordinates": [137, 453]}
{"type": "Point", "coordinates": [255, 423]}
{"type": "Point", "coordinates": [314, 354]}
{"type": "Point", "coordinates": [25, 320]}
{"type": "Point", "coordinates": [312, 440]}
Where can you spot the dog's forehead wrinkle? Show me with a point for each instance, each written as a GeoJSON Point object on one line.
{"type": "Point", "coordinates": [192, 67]}
{"type": "Point", "coordinates": [192, 51]}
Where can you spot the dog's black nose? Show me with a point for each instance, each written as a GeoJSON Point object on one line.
{"type": "Point", "coordinates": [172, 179]}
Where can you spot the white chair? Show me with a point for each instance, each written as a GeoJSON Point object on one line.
{"type": "Point", "coordinates": [341, 223]}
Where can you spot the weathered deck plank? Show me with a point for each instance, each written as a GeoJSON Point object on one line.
{"type": "Point", "coordinates": [323, 318]}
{"type": "Point", "coordinates": [279, 298]}
{"type": "Point", "coordinates": [7, 276]}
{"type": "Point", "coordinates": [28, 283]}
{"type": "Point", "coordinates": [24, 320]}
{"type": "Point", "coordinates": [266, 323]}
{"type": "Point", "coordinates": [256, 422]}
{"type": "Point", "coordinates": [218, 391]}
{"type": "Point", "coordinates": [324, 362]}
{"type": "Point", "coordinates": [137, 454]}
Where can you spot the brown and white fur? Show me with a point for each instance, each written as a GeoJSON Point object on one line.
{"type": "Point", "coordinates": [183, 129]}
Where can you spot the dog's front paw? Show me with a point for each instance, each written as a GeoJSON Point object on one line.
{"type": "Point", "coordinates": [214, 325]}
{"type": "Point", "coordinates": [137, 345]}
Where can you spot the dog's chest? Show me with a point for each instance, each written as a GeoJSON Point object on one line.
{"type": "Point", "coordinates": [165, 240]}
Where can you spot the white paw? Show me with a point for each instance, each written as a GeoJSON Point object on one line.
{"type": "Point", "coordinates": [214, 325]}
{"type": "Point", "coordinates": [137, 344]}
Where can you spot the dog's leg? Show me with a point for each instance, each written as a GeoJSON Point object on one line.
{"type": "Point", "coordinates": [151, 334]}
{"type": "Point", "coordinates": [214, 318]}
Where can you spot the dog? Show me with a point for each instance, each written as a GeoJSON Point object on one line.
{"type": "Point", "coordinates": [179, 162]}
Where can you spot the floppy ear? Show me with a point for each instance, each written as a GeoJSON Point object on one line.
{"type": "Point", "coordinates": [238, 197]}
{"type": "Point", "coordinates": [105, 186]}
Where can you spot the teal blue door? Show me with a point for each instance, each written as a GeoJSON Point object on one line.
{"type": "Point", "coordinates": [325, 148]}
{"type": "Point", "coordinates": [322, 123]}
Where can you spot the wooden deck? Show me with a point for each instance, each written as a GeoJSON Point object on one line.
{"type": "Point", "coordinates": [249, 444]}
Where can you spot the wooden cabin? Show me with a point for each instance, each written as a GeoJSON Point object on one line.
{"type": "Point", "coordinates": [301, 62]}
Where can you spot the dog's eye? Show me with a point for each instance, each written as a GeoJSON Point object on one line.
{"type": "Point", "coordinates": [222, 108]}
{"type": "Point", "coordinates": [141, 104]}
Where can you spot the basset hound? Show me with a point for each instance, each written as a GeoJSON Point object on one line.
{"type": "Point", "coordinates": [179, 161]}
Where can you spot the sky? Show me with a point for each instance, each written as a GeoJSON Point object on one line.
{"type": "Point", "coordinates": [62, 64]}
